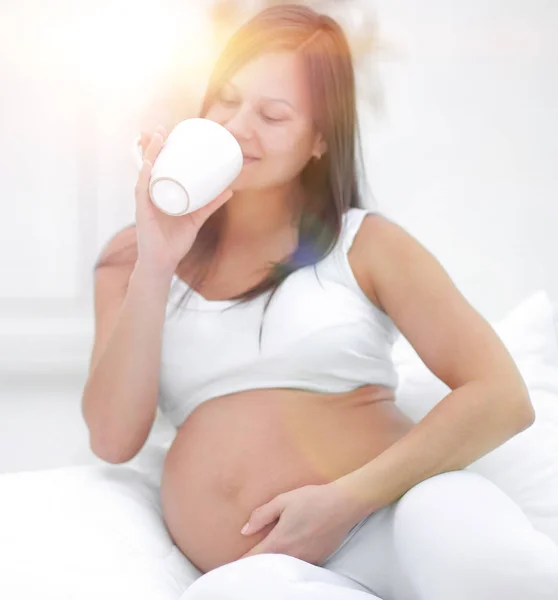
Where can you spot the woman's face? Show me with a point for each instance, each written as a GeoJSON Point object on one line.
{"type": "Point", "coordinates": [266, 106]}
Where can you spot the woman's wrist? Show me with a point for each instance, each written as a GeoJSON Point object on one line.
{"type": "Point", "coordinates": [351, 498]}
{"type": "Point", "coordinates": [156, 274]}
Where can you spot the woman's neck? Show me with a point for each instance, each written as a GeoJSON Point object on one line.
{"type": "Point", "coordinates": [253, 215]}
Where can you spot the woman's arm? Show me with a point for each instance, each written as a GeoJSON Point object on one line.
{"type": "Point", "coordinates": [120, 396]}
{"type": "Point", "coordinates": [489, 402]}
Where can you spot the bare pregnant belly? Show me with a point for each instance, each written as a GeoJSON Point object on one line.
{"type": "Point", "coordinates": [237, 452]}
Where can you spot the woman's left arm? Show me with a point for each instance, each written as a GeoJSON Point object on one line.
{"type": "Point", "coordinates": [489, 402]}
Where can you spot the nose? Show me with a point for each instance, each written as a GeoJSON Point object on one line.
{"type": "Point", "coordinates": [240, 124]}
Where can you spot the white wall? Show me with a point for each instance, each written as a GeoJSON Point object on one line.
{"type": "Point", "coordinates": [464, 158]}
{"type": "Point", "coordinates": [467, 156]}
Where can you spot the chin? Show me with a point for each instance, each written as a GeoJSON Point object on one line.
{"type": "Point", "coordinates": [245, 182]}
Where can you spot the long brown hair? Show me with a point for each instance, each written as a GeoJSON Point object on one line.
{"type": "Point", "coordinates": [330, 184]}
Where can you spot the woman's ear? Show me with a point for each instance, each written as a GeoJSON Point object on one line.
{"type": "Point", "coordinates": [320, 147]}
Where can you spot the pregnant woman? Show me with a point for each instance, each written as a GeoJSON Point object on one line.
{"type": "Point", "coordinates": [262, 326]}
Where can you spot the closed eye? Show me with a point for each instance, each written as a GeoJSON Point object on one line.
{"type": "Point", "coordinates": [231, 102]}
{"type": "Point", "coordinates": [272, 119]}
{"type": "Point", "coordinates": [228, 101]}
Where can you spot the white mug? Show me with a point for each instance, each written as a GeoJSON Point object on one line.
{"type": "Point", "coordinates": [198, 161]}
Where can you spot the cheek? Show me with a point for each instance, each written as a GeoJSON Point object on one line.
{"type": "Point", "coordinates": [287, 145]}
{"type": "Point", "coordinates": [280, 168]}
{"type": "Point", "coordinates": [278, 141]}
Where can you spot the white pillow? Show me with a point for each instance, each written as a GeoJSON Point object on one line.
{"type": "Point", "coordinates": [87, 532]}
{"type": "Point", "coordinates": [525, 467]}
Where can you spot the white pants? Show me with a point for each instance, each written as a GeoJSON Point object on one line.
{"type": "Point", "coordinates": [453, 536]}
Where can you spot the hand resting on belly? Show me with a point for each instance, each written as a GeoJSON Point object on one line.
{"type": "Point", "coordinates": [237, 452]}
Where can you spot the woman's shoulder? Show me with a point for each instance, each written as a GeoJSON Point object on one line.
{"type": "Point", "coordinates": [369, 237]}
{"type": "Point", "coordinates": [385, 255]}
{"type": "Point", "coordinates": [353, 220]}
{"type": "Point", "coordinates": [120, 249]}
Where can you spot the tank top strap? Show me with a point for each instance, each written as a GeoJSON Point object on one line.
{"type": "Point", "coordinates": [352, 220]}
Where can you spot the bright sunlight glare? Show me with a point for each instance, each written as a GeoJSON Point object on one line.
{"type": "Point", "coordinates": [113, 51]}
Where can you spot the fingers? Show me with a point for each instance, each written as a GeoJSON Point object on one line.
{"type": "Point", "coordinates": [151, 147]}
{"type": "Point", "coordinates": [144, 176]}
{"type": "Point", "coordinates": [263, 515]}
{"type": "Point", "coordinates": [145, 137]}
{"type": "Point", "coordinates": [155, 145]}
{"type": "Point", "coordinates": [143, 141]}
{"type": "Point", "coordinates": [143, 210]}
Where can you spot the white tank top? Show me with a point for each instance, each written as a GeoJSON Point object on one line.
{"type": "Point", "coordinates": [320, 333]}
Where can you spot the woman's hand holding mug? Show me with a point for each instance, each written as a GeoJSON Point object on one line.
{"type": "Point", "coordinates": [162, 239]}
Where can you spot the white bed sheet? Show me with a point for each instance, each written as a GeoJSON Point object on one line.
{"type": "Point", "coordinates": [87, 532]}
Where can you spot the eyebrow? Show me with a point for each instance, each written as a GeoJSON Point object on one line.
{"type": "Point", "coordinates": [268, 98]}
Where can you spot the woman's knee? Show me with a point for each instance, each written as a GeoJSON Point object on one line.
{"type": "Point", "coordinates": [459, 529]}
{"type": "Point", "coordinates": [455, 497]}
{"type": "Point", "coordinates": [456, 512]}
{"type": "Point", "coordinates": [427, 519]}
{"type": "Point", "coordinates": [442, 487]}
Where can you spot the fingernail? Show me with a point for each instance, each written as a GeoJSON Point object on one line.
{"type": "Point", "coordinates": [245, 528]}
